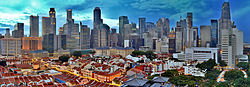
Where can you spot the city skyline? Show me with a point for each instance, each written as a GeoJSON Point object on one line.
{"type": "Point", "coordinates": [203, 12]}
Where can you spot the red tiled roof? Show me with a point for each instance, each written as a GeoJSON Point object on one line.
{"type": "Point", "coordinates": [23, 66]}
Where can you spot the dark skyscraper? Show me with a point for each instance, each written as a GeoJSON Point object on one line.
{"type": "Point", "coordinates": [142, 26]}
{"type": "Point", "coordinates": [49, 23]}
{"type": "Point", "coordinates": [214, 33]}
{"type": "Point", "coordinates": [34, 26]}
{"type": "Point", "coordinates": [19, 30]}
{"type": "Point", "coordinates": [7, 33]}
{"type": "Point", "coordinates": [84, 37]}
{"type": "Point", "coordinates": [49, 31]}
{"type": "Point", "coordinates": [189, 26]}
{"type": "Point", "coordinates": [97, 18]}
{"type": "Point", "coordinates": [122, 21]}
{"type": "Point", "coordinates": [69, 14]}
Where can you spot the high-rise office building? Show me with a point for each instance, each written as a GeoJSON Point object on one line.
{"type": "Point", "coordinates": [84, 37]}
{"type": "Point", "coordinates": [122, 21]}
{"type": "Point", "coordinates": [179, 38]}
{"type": "Point", "coordinates": [163, 27]}
{"type": "Point", "coordinates": [97, 30]}
{"type": "Point", "coordinates": [106, 29]}
{"type": "Point", "coordinates": [195, 37]}
{"type": "Point", "coordinates": [61, 41]}
{"type": "Point", "coordinates": [10, 46]}
{"type": "Point", "coordinates": [172, 43]}
{"type": "Point", "coordinates": [49, 23]}
{"type": "Point", "coordinates": [205, 35]}
{"type": "Point", "coordinates": [34, 26]}
{"type": "Point", "coordinates": [142, 26]}
{"type": "Point", "coordinates": [52, 15]}
{"type": "Point", "coordinates": [49, 42]}
{"type": "Point", "coordinates": [49, 32]}
{"type": "Point", "coordinates": [189, 29]}
{"type": "Point", "coordinates": [97, 18]}
{"type": "Point", "coordinates": [19, 30]}
{"type": "Point", "coordinates": [31, 43]}
{"type": "Point", "coordinates": [95, 38]}
{"type": "Point", "coordinates": [150, 25]}
{"type": "Point", "coordinates": [225, 20]}
{"type": "Point", "coordinates": [71, 30]}
{"type": "Point", "coordinates": [113, 38]}
{"type": "Point", "coordinates": [7, 33]}
{"type": "Point", "coordinates": [214, 33]}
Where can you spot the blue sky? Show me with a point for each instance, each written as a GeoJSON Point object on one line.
{"type": "Point", "coordinates": [14, 11]}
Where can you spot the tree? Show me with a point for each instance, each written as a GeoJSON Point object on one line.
{"type": "Point", "coordinates": [92, 52]}
{"type": "Point", "coordinates": [209, 83]}
{"type": "Point", "coordinates": [243, 65]}
{"type": "Point", "coordinates": [207, 65]}
{"type": "Point", "coordinates": [232, 75]}
{"type": "Point", "coordinates": [64, 58]}
{"type": "Point", "coordinates": [241, 82]}
{"type": "Point", "coordinates": [223, 63]}
{"type": "Point", "coordinates": [212, 75]}
{"type": "Point", "coordinates": [150, 55]}
{"type": "Point", "coordinates": [137, 53]}
{"type": "Point", "coordinates": [3, 63]}
{"type": "Point", "coordinates": [183, 80]}
{"type": "Point", "coordinates": [170, 73]}
{"type": "Point", "coordinates": [77, 54]}
{"type": "Point", "coordinates": [224, 84]}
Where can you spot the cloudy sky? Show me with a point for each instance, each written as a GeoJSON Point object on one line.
{"type": "Point", "coordinates": [14, 11]}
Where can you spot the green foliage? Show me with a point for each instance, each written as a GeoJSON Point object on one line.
{"type": "Point", "coordinates": [92, 52]}
{"type": "Point", "coordinates": [64, 58]}
{"type": "Point", "coordinates": [243, 65]}
{"type": "Point", "coordinates": [212, 75]}
{"type": "Point", "coordinates": [170, 73]}
{"type": "Point", "coordinates": [183, 80]}
{"type": "Point", "coordinates": [77, 54]}
{"type": "Point", "coordinates": [209, 83]}
{"type": "Point", "coordinates": [223, 63]}
{"type": "Point", "coordinates": [232, 75]}
{"type": "Point", "coordinates": [242, 82]}
{"type": "Point", "coordinates": [149, 54]}
{"type": "Point", "coordinates": [224, 84]}
{"type": "Point", "coordinates": [137, 53]}
{"type": "Point", "coordinates": [3, 63]}
{"type": "Point", "coordinates": [207, 65]}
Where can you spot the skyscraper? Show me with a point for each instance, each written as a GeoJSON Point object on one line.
{"type": "Point", "coordinates": [49, 23]}
{"type": "Point", "coordinates": [84, 37]}
{"type": "Point", "coordinates": [163, 27]}
{"type": "Point", "coordinates": [95, 38]}
{"type": "Point", "coordinates": [205, 33]}
{"type": "Point", "coordinates": [96, 31]}
{"type": "Point", "coordinates": [150, 25]}
{"type": "Point", "coordinates": [189, 28]}
{"type": "Point", "coordinates": [172, 43]}
{"type": "Point", "coordinates": [52, 15]}
{"type": "Point", "coordinates": [71, 30]}
{"type": "Point", "coordinates": [214, 33]}
{"type": "Point", "coordinates": [49, 31]}
{"type": "Point", "coordinates": [19, 30]}
{"type": "Point", "coordinates": [34, 26]}
{"type": "Point", "coordinates": [97, 18]}
{"type": "Point", "coordinates": [142, 26]}
{"type": "Point", "coordinates": [122, 21]}
{"type": "Point", "coordinates": [113, 38]}
{"type": "Point", "coordinates": [7, 33]}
